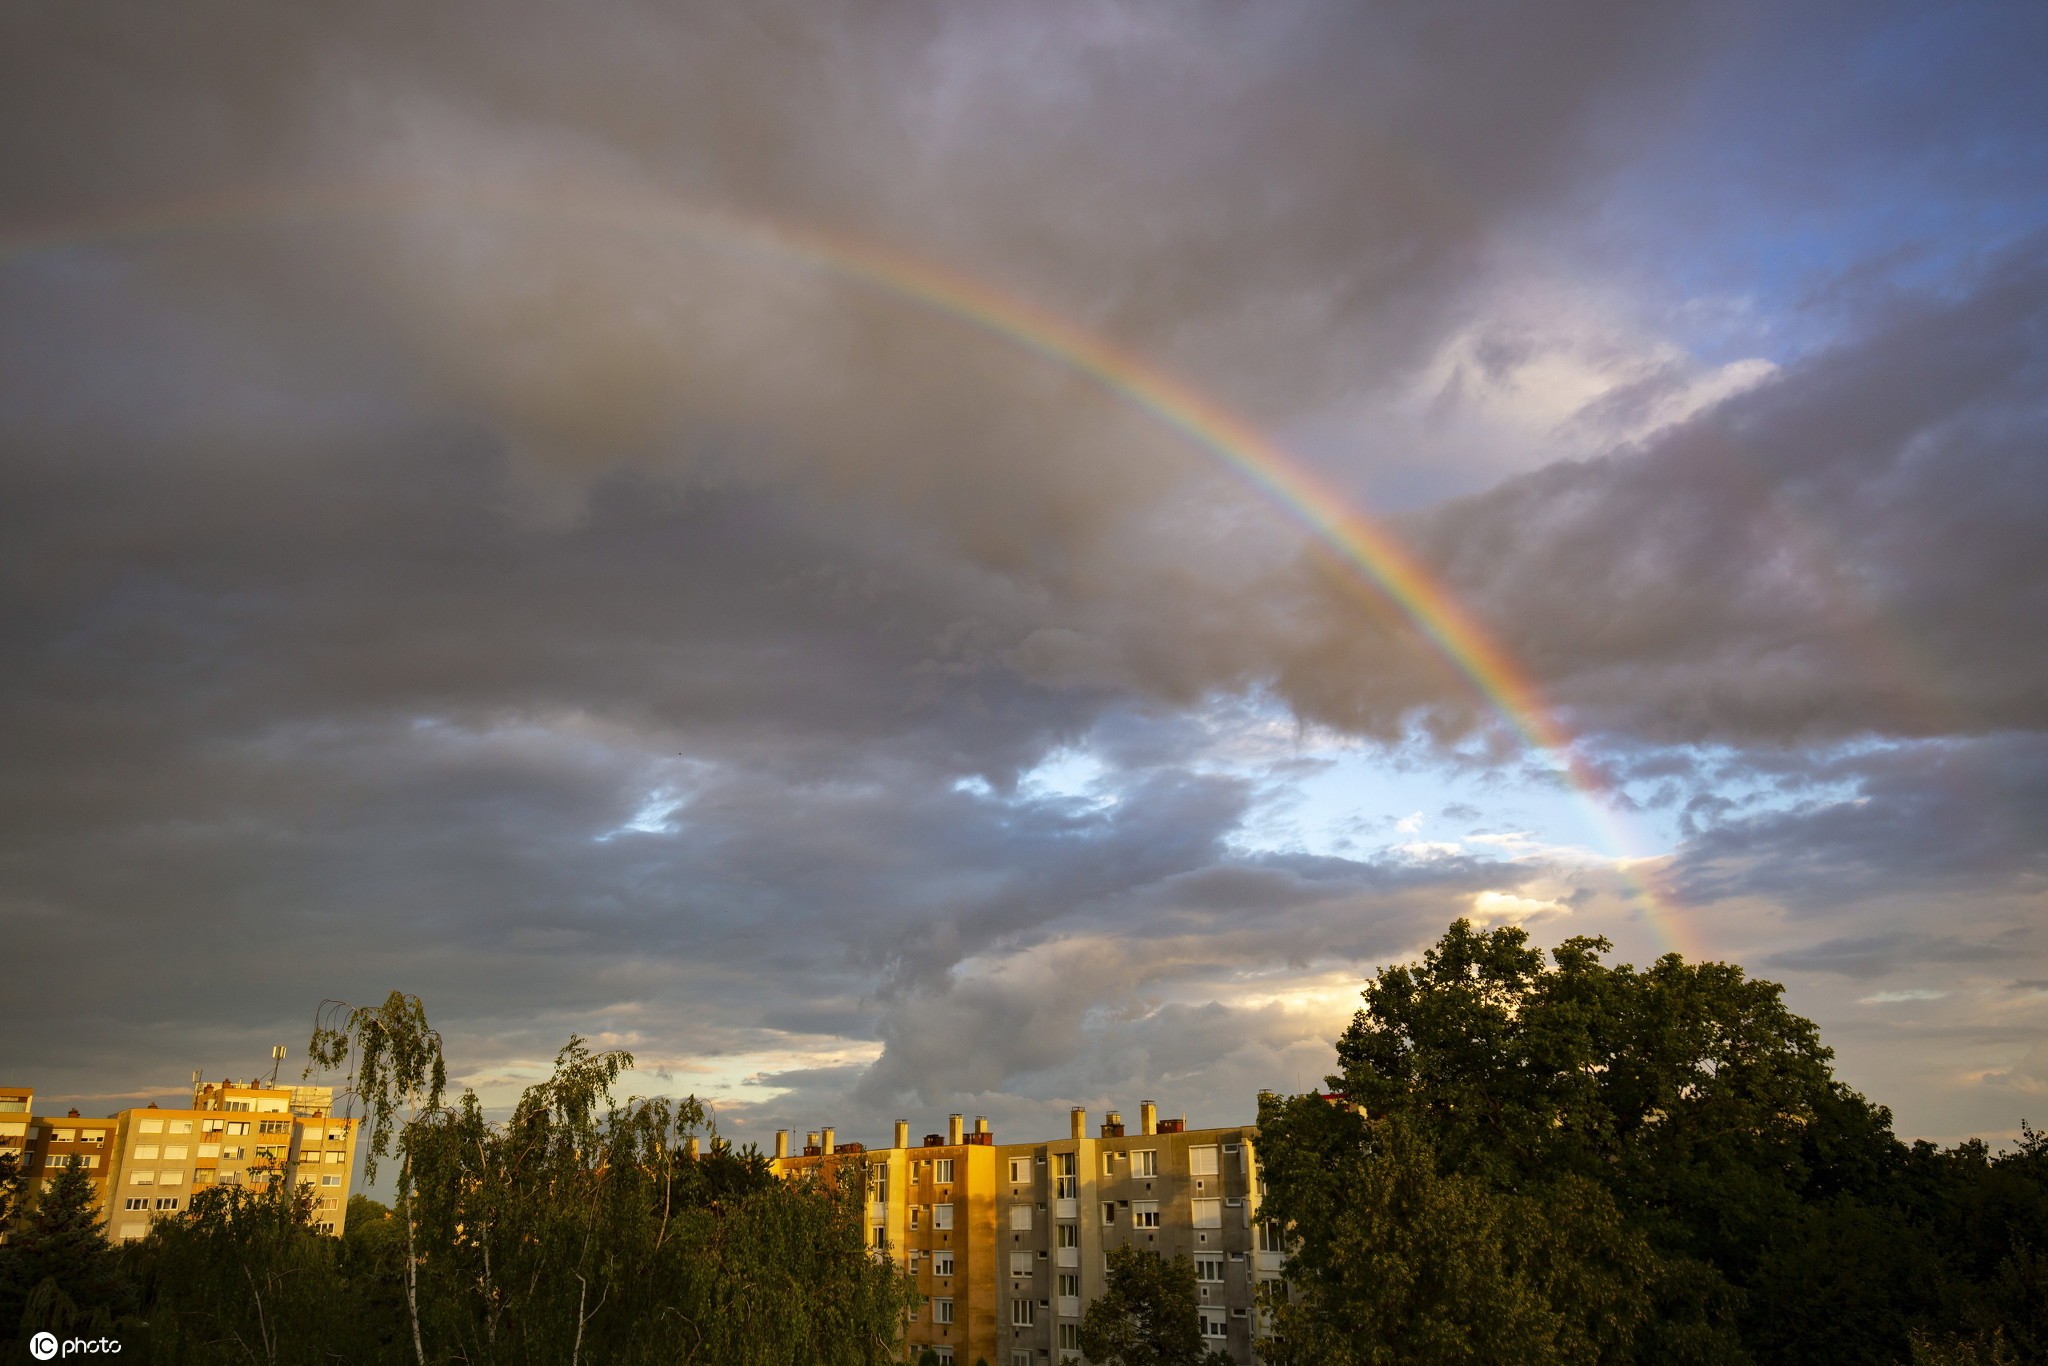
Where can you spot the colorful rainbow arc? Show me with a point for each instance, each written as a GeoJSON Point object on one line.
{"type": "Point", "coordinates": [1387, 567]}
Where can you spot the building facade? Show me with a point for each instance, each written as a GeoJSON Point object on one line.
{"type": "Point", "coordinates": [1008, 1243]}
{"type": "Point", "coordinates": [147, 1163]}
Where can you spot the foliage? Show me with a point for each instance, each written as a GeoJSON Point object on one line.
{"type": "Point", "coordinates": [57, 1270]}
{"type": "Point", "coordinates": [1575, 1162]}
{"type": "Point", "coordinates": [397, 1067]}
{"type": "Point", "coordinates": [581, 1230]}
{"type": "Point", "coordinates": [243, 1277]}
{"type": "Point", "coordinates": [1146, 1314]}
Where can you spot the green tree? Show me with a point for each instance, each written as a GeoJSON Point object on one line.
{"type": "Point", "coordinates": [1400, 1263]}
{"type": "Point", "coordinates": [244, 1276]}
{"type": "Point", "coordinates": [1606, 1164]}
{"type": "Point", "coordinates": [396, 1069]}
{"type": "Point", "coordinates": [1146, 1315]}
{"type": "Point", "coordinates": [57, 1270]}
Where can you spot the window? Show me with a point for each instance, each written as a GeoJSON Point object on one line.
{"type": "Point", "coordinates": [1215, 1323]}
{"type": "Point", "coordinates": [942, 1310]}
{"type": "Point", "coordinates": [336, 1155]}
{"type": "Point", "coordinates": [167, 1202]}
{"type": "Point", "coordinates": [142, 1178]}
{"type": "Point", "coordinates": [1109, 1164]}
{"type": "Point", "coordinates": [212, 1126]}
{"type": "Point", "coordinates": [942, 1171]}
{"type": "Point", "coordinates": [136, 1202]}
{"type": "Point", "coordinates": [170, 1178]}
{"type": "Point", "coordinates": [1144, 1214]}
{"type": "Point", "coordinates": [1070, 1284]}
{"type": "Point", "coordinates": [1109, 1211]}
{"type": "Point", "coordinates": [1023, 1313]}
{"type": "Point", "coordinates": [1208, 1268]}
{"type": "Point", "coordinates": [1020, 1218]}
{"type": "Point", "coordinates": [1066, 1180]}
{"type": "Point", "coordinates": [1145, 1162]}
{"type": "Point", "coordinates": [273, 1126]}
{"type": "Point", "coordinates": [1201, 1162]}
{"type": "Point", "coordinates": [146, 1152]}
{"type": "Point", "coordinates": [325, 1227]}
{"type": "Point", "coordinates": [942, 1216]}
{"type": "Point", "coordinates": [1070, 1337]}
{"type": "Point", "coordinates": [327, 1180]}
{"type": "Point", "coordinates": [329, 1202]}
{"type": "Point", "coordinates": [234, 1154]}
{"type": "Point", "coordinates": [942, 1263]}
{"type": "Point", "coordinates": [133, 1232]}
{"type": "Point", "coordinates": [1020, 1264]}
{"type": "Point", "coordinates": [881, 1236]}
{"type": "Point", "coordinates": [64, 1135]}
{"type": "Point", "coordinates": [174, 1152]}
{"type": "Point", "coordinates": [337, 1135]}
{"type": "Point", "coordinates": [209, 1150]}
{"type": "Point", "coordinates": [916, 1212]}
{"type": "Point", "coordinates": [203, 1177]}
{"type": "Point", "coordinates": [878, 1178]}
{"type": "Point", "coordinates": [239, 1127]}
{"type": "Point", "coordinates": [1020, 1359]}
{"type": "Point", "coordinates": [1208, 1213]}
{"type": "Point", "coordinates": [151, 1126]}
{"type": "Point", "coordinates": [180, 1126]}
{"type": "Point", "coordinates": [1068, 1235]}
{"type": "Point", "coordinates": [1020, 1170]}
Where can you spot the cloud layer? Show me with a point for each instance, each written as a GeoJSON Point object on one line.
{"type": "Point", "coordinates": [431, 558]}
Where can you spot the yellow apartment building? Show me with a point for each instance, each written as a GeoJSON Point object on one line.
{"type": "Point", "coordinates": [1007, 1243]}
{"type": "Point", "coordinates": [147, 1163]}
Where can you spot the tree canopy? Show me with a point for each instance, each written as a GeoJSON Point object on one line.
{"type": "Point", "coordinates": [1557, 1159]}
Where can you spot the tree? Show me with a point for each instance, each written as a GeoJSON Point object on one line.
{"type": "Point", "coordinates": [57, 1270]}
{"type": "Point", "coordinates": [245, 1276]}
{"type": "Point", "coordinates": [1400, 1263]}
{"type": "Point", "coordinates": [1146, 1315]}
{"type": "Point", "coordinates": [1580, 1162]}
{"type": "Point", "coordinates": [397, 1068]}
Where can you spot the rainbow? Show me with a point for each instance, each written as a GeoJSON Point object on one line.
{"type": "Point", "coordinates": [1381, 565]}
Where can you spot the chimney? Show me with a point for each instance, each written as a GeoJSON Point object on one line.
{"type": "Point", "coordinates": [826, 1142]}
{"type": "Point", "coordinates": [903, 1133]}
{"type": "Point", "coordinates": [690, 1149]}
{"type": "Point", "coordinates": [1080, 1125]}
{"type": "Point", "coordinates": [1148, 1117]}
{"type": "Point", "coordinates": [953, 1130]}
{"type": "Point", "coordinates": [782, 1143]}
{"type": "Point", "coordinates": [810, 1143]}
{"type": "Point", "coordinates": [1113, 1124]}
{"type": "Point", "coordinates": [981, 1124]}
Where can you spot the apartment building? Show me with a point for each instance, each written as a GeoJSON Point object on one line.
{"type": "Point", "coordinates": [1008, 1243]}
{"type": "Point", "coordinates": [45, 1144]}
{"type": "Point", "coordinates": [147, 1163]}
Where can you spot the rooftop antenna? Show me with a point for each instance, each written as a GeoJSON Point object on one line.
{"type": "Point", "coordinates": [276, 1061]}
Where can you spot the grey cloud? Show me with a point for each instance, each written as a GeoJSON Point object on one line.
{"type": "Point", "coordinates": [528, 607]}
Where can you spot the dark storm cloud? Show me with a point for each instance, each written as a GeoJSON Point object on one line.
{"type": "Point", "coordinates": [590, 631]}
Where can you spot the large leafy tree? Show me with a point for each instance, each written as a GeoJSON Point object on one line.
{"type": "Point", "coordinates": [1146, 1314]}
{"type": "Point", "coordinates": [1611, 1164]}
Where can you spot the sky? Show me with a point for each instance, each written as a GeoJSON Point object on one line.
{"type": "Point", "coordinates": [667, 523]}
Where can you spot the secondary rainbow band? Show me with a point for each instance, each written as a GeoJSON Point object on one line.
{"type": "Point", "coordinates": [1387, 567]}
